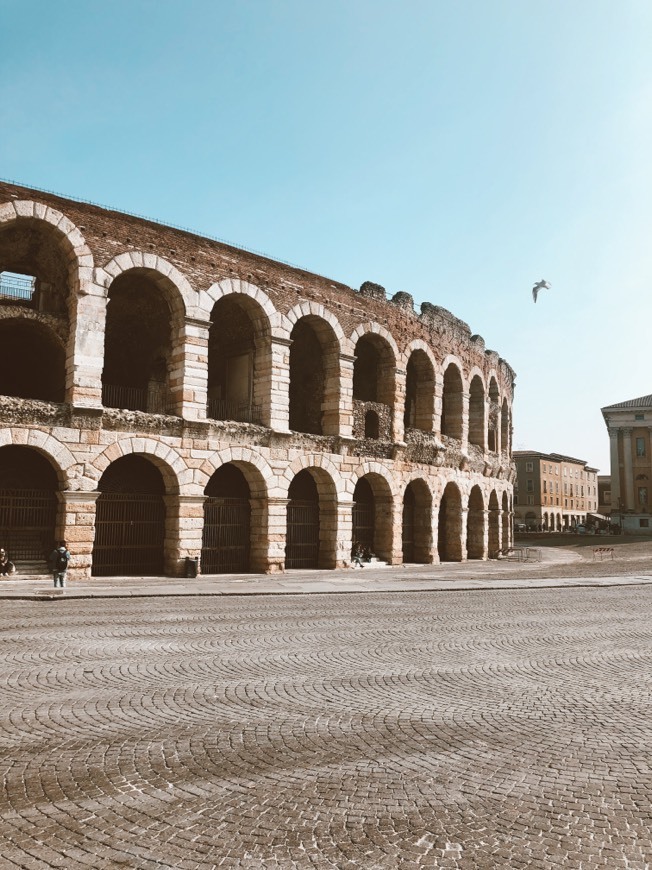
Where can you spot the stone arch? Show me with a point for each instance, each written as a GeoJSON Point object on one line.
{"type": "Point", "coordinates": [477, 424]}
{"type": "Point", "coordinates": [417, 522]}
{"type": "Point", "coordinates": [318, 521]}
{"type": "Point", "coordinates": [241, 361]}
{"type": "Point", "coordinates": [179, 294]}
{"type": "Point", "coordinates": [374, 378]}
{"type": "Point", "coordinates": [173, 469]}
{"type": "Point", "coordinates": [257, 471]}
{"type": "Point", "coordinates": [494, 422]}
{"type": "Point", "coordinates": [315, 389]}
{"type": "Point", "coordinates": [79, 255]}
{"type": "Point", "coordinates": [144, 334]}
{"type": "Point", "coordinates": [374, 498]}
{"type": "Point", "coordinates": [475, 524]}
{"type": "Point", "coordinates": [57, 454]}
{"type": "Point", "coordinates": [449, 534]}
{"type": "Point", "coordinates": [452, 400]}
{"type": "Point", "coordinates": [420, 367]}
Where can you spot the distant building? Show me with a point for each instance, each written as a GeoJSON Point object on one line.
{"type": "Point", "coordinates": [604, 494]}
{"type": "Point", "coordinates": [553, 492]}
{"type": "Point", "coordinates": [629, 425]}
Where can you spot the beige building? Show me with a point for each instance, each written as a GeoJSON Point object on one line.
{"type": "Point", "coordinates": [553, 492]}
{"type": "Point", "coordinates": [630, 425]}
{"type": "Point", "coordinates": [168, 400]}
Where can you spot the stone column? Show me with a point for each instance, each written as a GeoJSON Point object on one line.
{"type": "Point", "coordinates": [184, 525]}
{"type": "Point", "coordinates": [344, 543]}
{"type": "Point", "coordinates": [398, 426]}
{"type": "Point", "coordinates": [277, 511]}
{"type": "Point", "coordinates": [464, 532]}
{"type": "Point", "coordinates": [628, 472]}
{"type": "Point", "coordinates": [346, 395]}
{"type": "Point", "coordinates": [438, 403]}
{"type": "Point", "coordinates": [615, 469]}
{"type": "Point", "coordinates": [76, 526]}
{"type": "Point", "coordinates": [485, 534]}
{"type": "Point", "coordinates": [277, 368]}
{"type": "Point", "coordinates": [189, 370]}
{"type": "Point", "coordinates": [465, 422]}
{"type": "Point", "coordinates": [85, 350]}
{"type": "Point", "coordinates": [434, 525]}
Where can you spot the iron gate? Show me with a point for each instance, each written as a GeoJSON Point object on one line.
{"type": "Point", "coordinates": [364, 524]}
{"type": "Point", "coordinates": [129, 534]}
{"type": "Point", "coordinates": [27, 521]}
{"type": "Point", "coordinates": [226, 537]}
{"type": "Point", "coordinates": [408, 531]}
{"type": "Point", "coordinates": [302, 545]}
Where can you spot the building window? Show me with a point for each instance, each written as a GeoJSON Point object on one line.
{"type": "Point", "coordinates": [640, 446]}
{"type": "Point", "coordinates": [642, 495]}
{"type": "Point", "coordinates": [545, 486]}
{"type": "Point", "coordinates": [644, 524]}
{"type": "Point", "coordinates": [530, 499]}
{"type": "Point", "coordinates": [529, 466]}
{"type": "Point", "coordinates": [529, 485]}
{"type": "Point", "coordinates": [639, 416]}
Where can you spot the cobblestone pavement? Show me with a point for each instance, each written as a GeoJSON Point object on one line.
{"type": "Point", "coordinates": [495, 729]}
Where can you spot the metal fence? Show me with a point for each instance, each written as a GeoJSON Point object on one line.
{"type": "Point", "coordinates": [18, 288]}
{"type": "Point", "coordinates": [129, 535]}
{"type": "Point", "coordinates": [302, 547]}
{"type": "Point", "coordinates": [240, 412]}
{"type": "Point", "coordinates": [226, 536]}
{"type": "Point", "coordinates": [135, 399]}
{"type": "Point", "coordinates": [27, 523]}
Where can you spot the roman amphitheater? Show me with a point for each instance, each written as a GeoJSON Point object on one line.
{"type": "Point", "coordinates": [167, 398]}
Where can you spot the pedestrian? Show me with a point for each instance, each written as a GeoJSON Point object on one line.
{"type": "Point", "coordinates": [6, 566]}
{"type": "Point", "coordinates": [356, 556]}
{"type": "Point", "coordinates": [59, 559]}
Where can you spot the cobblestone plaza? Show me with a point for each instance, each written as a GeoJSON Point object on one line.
{"type": "Point", "coordinates": [449, 730]}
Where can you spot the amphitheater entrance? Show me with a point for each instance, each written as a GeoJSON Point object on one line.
{"type": "Point", "coordinates": [417, 536]}
{"type": "Point", "coordinates": [226, 539]}
{"type": "Point", "coordinates": [364, 515]}
{"type": "Point", "coordinates": [302, 543]}
{"type": "Point", "coordinates": [449, 534]}
{"type": "Point", "coordinates": [130, 520]}
{"type": "Point", "coordinates": [475, 525]}
{"type": "Point", "coordinates": [28, 504]}
{"type": "Point", "coordinates": [506, 523]}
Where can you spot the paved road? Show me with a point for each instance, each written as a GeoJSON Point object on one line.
{"type": "Point", "coordinates": [495, 729]}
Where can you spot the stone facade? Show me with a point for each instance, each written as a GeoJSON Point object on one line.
{"type": "Point", "coordinates": [629, 425]}
{"type": "Point", "coordinates": [554, 492]}
{"type": "Point", "coordinates": [141, 340]}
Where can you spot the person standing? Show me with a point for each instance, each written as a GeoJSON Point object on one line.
{"type": "Point", "coordinates": [59, 559]}
{"type": "Point", "coordinates": [6, 566]}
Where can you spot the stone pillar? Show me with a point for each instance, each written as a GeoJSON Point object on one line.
{"type": "Point", "coordinates": [434, 520]}
{"type": "Point", "coordinates": [344, 543]}
{"type": "Point", "coordinates": [628, 472]}
{"type": "Point", "coordinates": [346, 395]}
{"type": "Point", "coordinates": [76, 526]}
{"type": "Point", "coordinates": [464, 532]}
{"type": "Point", "coordinates": [615, 469]}
{"type": "Point", "coordinates": [85, 350]}
{"type": "Point", "coordinates": [277, 374]}
{"type": "Point", "coordinates": [485, 534]}
{"type": "Point", "coordinates": [438, 403]}
{"type": "Point", "coordinates": [189, 370]}
{"type": "Point", "coordinates": [465, 421]}
{"type": "Point", "coordinates": [398, 425]}
{"type": "Point", "coordinates": [259, 548]}
{"type": "Point", "coordinates": [277, 511]}
{"type": "Point", "coordinates": [184, 525]}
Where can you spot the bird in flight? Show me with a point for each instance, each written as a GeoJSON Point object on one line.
{"type": "Point", "coordinates": [541, 285]}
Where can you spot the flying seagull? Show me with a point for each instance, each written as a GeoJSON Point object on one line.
{"type": "Point", "coordinates": [542, 285]}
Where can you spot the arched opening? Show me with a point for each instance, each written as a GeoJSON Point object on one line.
{"type": "Point", "coordinates": [419, 392]}
{"type": "Point", "coordinates": [505, 445]}
{"type": "Point", "coordinates": [452, 404]}
{"type": "Point", "coordinates": [416, 527]}
{"type": "Point", "coordinates": [302, 542]}
{"type": "Point", "coordinates": [364, 515]}
{"type": "Point", "coordinates": [36, 267]}
{"type": "Point", "coordinates": [130, 519]}
{"type": "Point", "coordinates": [28, 504]}
{"type": "Point", "coordinates": [475, 525]}
{"type": "Point", "coordinates": [32, 361]}
{"type": "Point", "coordinates": [314, 377]}
{"type": "Point", "coordinates": [494, 526]}
{"type": "Point", "coordinates": [226, 538]}
{"type": "Point", "coordinates": [371, 425]}
{"type": "Point", "coordinates": [494, 426]}
{"type": "Point", "coordinates": [235, 346]}
{"type": "Point", "coordinates": [531, 521]}
{"type": "Point", "coordinates": [374, 373]}
{"type": "Point", "coordinates": [449, 535]}
{"type": "Point", "coordinates": [138, 344]}
{"type": "Point", "coordinates": [506, 524]}
{"type": "Point", "coordinates": [476, 412]}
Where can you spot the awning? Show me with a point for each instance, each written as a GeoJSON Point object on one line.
{"type": "Point", "coordinates": [599, 517]}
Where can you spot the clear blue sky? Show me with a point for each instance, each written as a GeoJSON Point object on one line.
{"type": "Point", "coordinates": [459, 150]}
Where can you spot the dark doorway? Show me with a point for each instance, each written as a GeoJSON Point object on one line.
{"type": "Point", "coordinates": [130, 520]}
{"type": "Point", "coordinates": [28, 504]}
{"type": "Point", "coordinates": [306, 379]}
{"type": "Point", "coordinates": [364, 515]}
{"type": "Point", "coordinates": [409, 515]}
{"type": "Point", "coordinates": [227, 523]}
{"type": "Point", "coordinates": [449, 537]}
{"type": "Point", "coordinates": [32, 361]}
{"type": "Point", "coordinates": [302, 544]}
